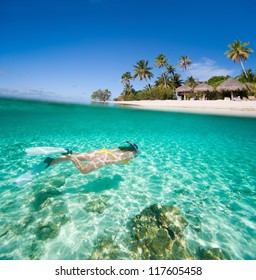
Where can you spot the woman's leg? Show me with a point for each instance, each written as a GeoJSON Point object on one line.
{"type": "Point", "coordinates": [94, 163]}
{"type": "Point", "coordinates": [84, 156]}
{"type": "Point", "coordinates": [86, 168]}
{"type": "Point", "coordinates": [59, 159]}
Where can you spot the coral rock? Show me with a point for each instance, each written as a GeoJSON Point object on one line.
{"type": "Point", "coordinates": [156, 233]}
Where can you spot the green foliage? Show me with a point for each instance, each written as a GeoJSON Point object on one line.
{"type": "Point", "coordinates": [101, 95]}
{"type": "Point", "coordinates": [249, 77]}
{"type": "Point", "coordinates": [251, 88]}
{"type": "Point", "coordinates": [216, 95]}
{"type": "Point", "coordinates": [128, 89]}
{"type": "Point", "coordinates": [130, 97]}
{"type": "Point", "coordinates": [217, 80]}
{"type": "Point", "coordinates": [191, 82]}
{"type": "Point", "coordinates": [221, 95]}
{"type": "Point", "coordinates": [163, 81]}
{"type": "Point", "coordinates": [156, 93]}
{"type": "Point", "coordinates": [151, 94]}
{"type": "Point", "coordinates": [176, 80]}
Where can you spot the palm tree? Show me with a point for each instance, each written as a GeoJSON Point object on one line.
{"type": "Point", "coordinates": [147, 87]}
{"type": "Point", "coordinates": [176, 81]}
{"type": "Point", "coordinates": [128, 89]}
{"type": "Point", "coordinates": [126, 78]}
{"type": "Point", "coordinates": [142, 71]}
{"type": "Point", "coordinates": [170, 69]}
{"type": "Point", "coordinates": [184, 62]}
{"type": "Point", "coordinates": [163, 81]}
{"type": "Point", "coordinates": [161, 61]}
{"type": "Point", "coordinates": [239, 52]}
{"type": "Point", "coordinates": [192, 82]}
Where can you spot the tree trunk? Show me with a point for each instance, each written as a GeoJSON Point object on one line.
{"type": "Point", "coordinates": [244, 70]}
{"type": "Point", "coordinates": [148, 83]}
{"type": "Point", "coordinates": [163, 78]}
{"type": "Point", "coordinates": [232, 96]}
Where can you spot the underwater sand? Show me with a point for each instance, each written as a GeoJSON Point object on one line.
{"type": "Point", "coordinates": [204, 165]}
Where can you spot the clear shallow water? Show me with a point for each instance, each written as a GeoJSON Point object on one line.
{"type": "Point", "coordinates": [204, 165]}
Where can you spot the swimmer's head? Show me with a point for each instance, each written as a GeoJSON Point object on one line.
{"type": "Point", "coordinates": [132, 147]}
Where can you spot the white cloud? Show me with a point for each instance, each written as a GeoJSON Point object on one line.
{"type": "Point", "coordinates": [41, 94]}
{"type": "Point", "coordinates": [206, 69]}
{"type": "Point", "coordinates": [5, 91]}
{"type": "Point", "coordinates": [31, 93]}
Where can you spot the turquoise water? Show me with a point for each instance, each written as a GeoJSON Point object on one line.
{"type": "Point", "coordinates": [204, 165]}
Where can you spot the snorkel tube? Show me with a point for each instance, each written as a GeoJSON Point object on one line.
{"type": "Point", "coordinates": [133, 146]}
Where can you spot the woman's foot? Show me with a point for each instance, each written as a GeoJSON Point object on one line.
{"type": "Point", "coordinates": [48, 161]}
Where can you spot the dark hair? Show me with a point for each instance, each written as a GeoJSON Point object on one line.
{"type": "Point", "coordinates": [126, 148]}
{"type": "Point", "coordinates": [132, 147]}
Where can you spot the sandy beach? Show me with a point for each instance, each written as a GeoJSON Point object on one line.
{"type": "Point", "coordinates": [216, 107]}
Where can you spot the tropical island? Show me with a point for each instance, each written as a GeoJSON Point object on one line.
{"type": "Point", "coordinates": [169, 91]}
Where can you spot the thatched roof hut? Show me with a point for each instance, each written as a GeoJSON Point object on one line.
{"type": "Point", "coordinates": [203, 88]}
{"type": "Point", "coordinates": [182, 90]}
{"type": "Point", "coordinates": [231, 86]}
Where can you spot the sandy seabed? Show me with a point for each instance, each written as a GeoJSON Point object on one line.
{"type": "Point", "coordinates": [219, 107]}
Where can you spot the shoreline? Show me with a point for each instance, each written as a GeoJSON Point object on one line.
{"type": "Point", "coordinates": [212, 107]}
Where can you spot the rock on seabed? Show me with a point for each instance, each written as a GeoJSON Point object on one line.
{"type": "Point", "coordinates": [157, 234]}
{"type": "Point", "coordinates": [213, 254]}
{"type": "Point", "coordinates": [98, 205]}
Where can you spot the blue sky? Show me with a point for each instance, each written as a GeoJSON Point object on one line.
{"type": "Point", "coordinates": [66, 49]}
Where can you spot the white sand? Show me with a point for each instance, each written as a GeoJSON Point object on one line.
{"type": "Point", "coordinates": [219, 107]}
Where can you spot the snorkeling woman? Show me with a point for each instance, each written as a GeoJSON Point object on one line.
{"type": "Point", "coordinates": [98, 158]}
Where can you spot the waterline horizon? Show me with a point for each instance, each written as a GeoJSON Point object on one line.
{"type": "Point", "coordinates": [206, 107]}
